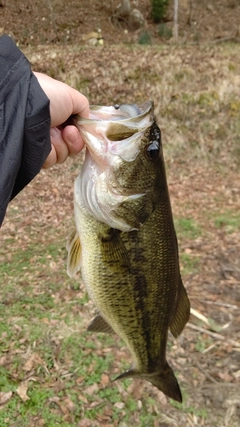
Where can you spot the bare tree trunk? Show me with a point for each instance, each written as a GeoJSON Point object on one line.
{"type": "Point", "coordinates": [52, 18]}
{"type": "Point", "coordinates": [175, 21]}
{"type": "Point", "coordinates": [189, 21]}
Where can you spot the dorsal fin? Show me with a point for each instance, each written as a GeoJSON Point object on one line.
{"type": "Point", "coordinates": [74, 254]}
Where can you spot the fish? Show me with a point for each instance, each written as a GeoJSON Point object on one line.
{"type": "Point", "coordinates": [125, 243]}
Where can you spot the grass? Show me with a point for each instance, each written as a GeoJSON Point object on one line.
{"type": "Point", "coordinates": [202, 343]}
{"type": "Point", "coordinates": [189, 263]}
{"type": "Point", "coordinates": [44, 315]}
{"type": "Point", "coordinates": [228, 220]}
{"type": "Point", "coordinates": [188, 228]}
{"type": "Point", "coordinates": [67, 360]}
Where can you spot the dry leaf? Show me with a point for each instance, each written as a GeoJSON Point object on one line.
{"type": "Point", "coordinates": [6, 359]}
{"type": "Point", "coordinates": [85, 423]}
{"type": "Point", "coordinates": [91, 389]}
{"type": "Point", "coordinates": [225, 376]}
{"type": "Point", "coordinates": [119, 405]}
{"type": "Point", "coordinates": [68, 403]}
{"type": "Point", "coordinates": [33, 361]}
{"type": "Point", "coordinates": [22, 391]}
{"type": "Point", "coordinates": [4, 397]}
{"type": "Point", "coordinates": [104, 379]}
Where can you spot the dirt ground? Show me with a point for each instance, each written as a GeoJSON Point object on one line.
{"type": "Point", "coordinates": [31, 22]}
{"type": "Point", "coordinates": [195, 87]}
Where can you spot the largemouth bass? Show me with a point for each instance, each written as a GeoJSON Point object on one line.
{"type": "Point", "coordinates": [125, 244]}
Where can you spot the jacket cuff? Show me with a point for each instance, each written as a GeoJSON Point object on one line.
{"type": "Point", "coordinates": [36, 145]}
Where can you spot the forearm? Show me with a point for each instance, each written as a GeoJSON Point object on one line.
{"type": "Point", "coordinates": [24, 122]}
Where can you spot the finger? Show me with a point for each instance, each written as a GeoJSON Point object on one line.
{"type": "Point", "coordinates": [80, 104]}
{"type": "Point", "coordinates": [59, 144]}
{"type": "Point", "coordinates": [73, 139]}
{"type": "Point", "coordinates": [51, 159]}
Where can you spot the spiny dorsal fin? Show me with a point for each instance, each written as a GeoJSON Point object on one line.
{"type": "Point", "coordinates": [74, 254]}
{"type": "Point", "coordinates": [182, 313]}
{"type": "Point", "coordinates": [98, 324]}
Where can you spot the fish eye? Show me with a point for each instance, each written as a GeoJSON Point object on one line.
{"type": "Point", "coordinates": [155, 138]}
{"type": "Point", "coordinates": [153, 150]}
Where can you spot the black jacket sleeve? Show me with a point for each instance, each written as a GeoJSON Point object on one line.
{"type": "Point", "coordinates": [24, 123]}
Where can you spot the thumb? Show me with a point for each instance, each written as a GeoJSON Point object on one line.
{"type": "Point", "coordinates": [80, 104]}
{"type": "Point", "coordinates": [73, 139]}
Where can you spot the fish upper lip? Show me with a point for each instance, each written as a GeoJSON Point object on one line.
{"type": "Point", "coordinates": [144, 109]}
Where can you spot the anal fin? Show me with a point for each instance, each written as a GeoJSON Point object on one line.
{"type": "Point", "coordinates": [182, 313]}
{"type": "Point", "coordinates": [74, 254]}
{"type": "Point", "coordinates": [98, 324]}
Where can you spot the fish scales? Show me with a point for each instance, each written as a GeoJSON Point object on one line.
{"type": "Point", "coordinates": [127, 246]}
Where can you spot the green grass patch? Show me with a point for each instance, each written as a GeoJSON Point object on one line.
{"type": "Point", "coordinates": [207, 98]}
{"type": "Point", "coordinates": [189, 263]}
{"type": "Point", "coordinates": [144, 38]}
{"type": "Point", "coordinates": [191, 409]}
{"type": "Point", "coordinates": [228, 220]}
{"type": "Point", "coordinates": [202, 343]}
{"type": "Point", "coordinates": [187, 228]}
{"type": "Point", "coordinates": [44, 315]}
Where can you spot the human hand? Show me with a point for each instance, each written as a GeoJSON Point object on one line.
{"type": "Point", "coordinates": [64, 101]}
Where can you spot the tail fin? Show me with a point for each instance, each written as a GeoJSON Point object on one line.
{"type": "Point", "coordinates": [165, 381]}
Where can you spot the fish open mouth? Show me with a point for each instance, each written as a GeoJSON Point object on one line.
{"type": "Point", "coordinates": [114, 131]}
{"type": "Point", "coordinates": [118, 112]}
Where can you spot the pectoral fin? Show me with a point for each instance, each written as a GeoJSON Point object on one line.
{"type": "Point", "coordinates": [113, 249]}
{"type": "Point", "coordinates": [130, 373]}
{"type": "Point", "coordinates": [182, 313]}
{"type": "Point", "coordinates": [74, 254]}
{"type": "Point", "coordinates": [98, 324]}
